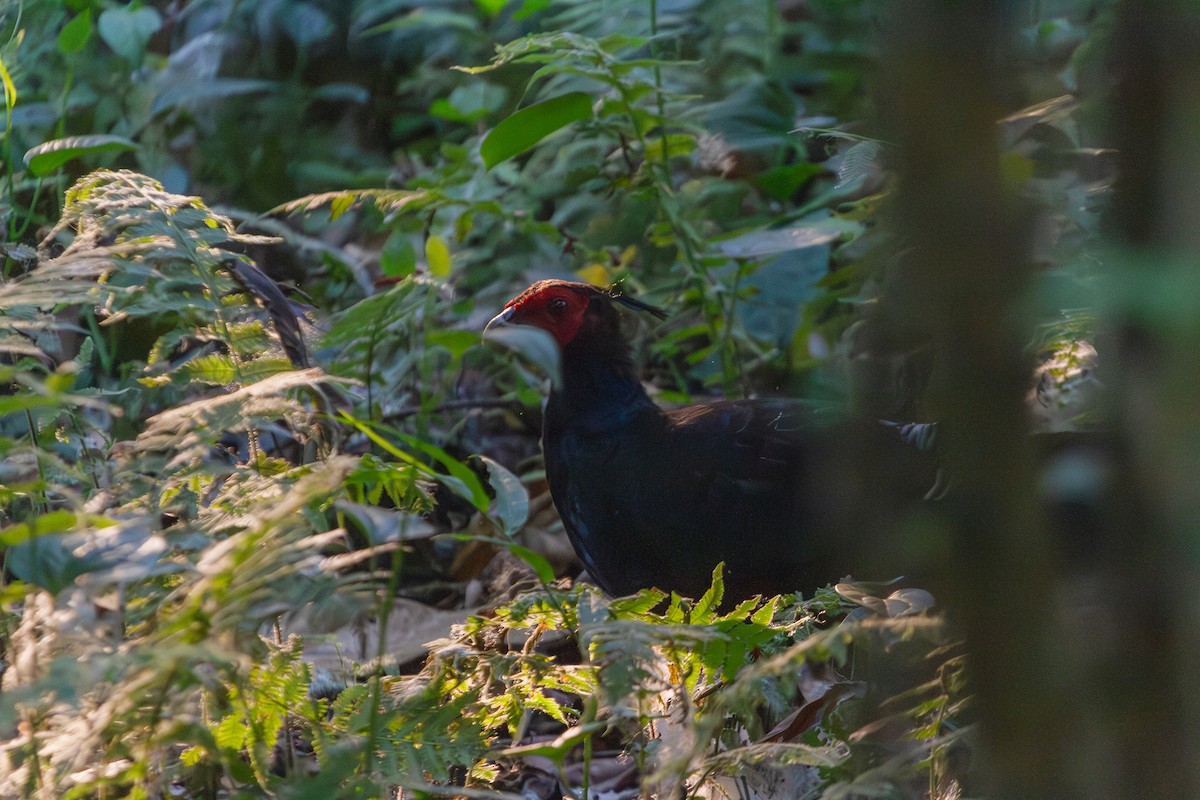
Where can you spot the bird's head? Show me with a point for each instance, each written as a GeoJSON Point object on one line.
{"type": "Point", "coordinates": [565, 309]}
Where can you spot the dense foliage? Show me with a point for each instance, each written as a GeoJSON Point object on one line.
{"type": "Point", "coordinates": [274, 544]}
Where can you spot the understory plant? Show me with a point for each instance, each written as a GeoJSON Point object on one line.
{"type": "Point", "coordinates": [178, 540]}
{"type": "Point", "coordinates": [250, 479]}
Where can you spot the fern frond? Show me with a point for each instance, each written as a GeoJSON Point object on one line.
{"type": "Point", "coordinates": [390, 201]}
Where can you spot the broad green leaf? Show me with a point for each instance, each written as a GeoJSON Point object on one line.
{"type": "Point", "coordinates": [784, 181]}
{"type": "Point", "coordinates": [525, 128]}
{"type": "Point", "coordinates": [430, 18]}
{"type": "Point", "coordinates": [771, 241]}
{"type": "Point", "coordinates": [534, 344]}
{"type": "Point", "coordinates": [512, 499]}
{"type": "Point", "coordinates": [51, 522]}
{"type": "Point", "coordinates": [25, 401]}
{"type": "Point", "coordinates": [437, 254]}
{"type": "Point", "coordinates": [398, 257]}
{"type": "Point", "coordinates": [127, 31]}
{"type": "Point", "coordinates": [491, 7]}
{"type": "Point", "coordinates": [204, 92]}
{"type": "Point", "coordinates": [461, 479]}
{"type": "Point", "coordinates": [46, 157]}
{"type": "Point", "coordinates": [758, 114]}
{"type": "Point", "coordinates": [531, 7]}
{"type": "Point", "coordinates": [75, 34]}
{"type": "Point", "coordinates": [677, 144]}
{"type": "Point", "coordinates": [470, 103]}
{"type": "Point", "coordinates": [596, 274]}
{"type": "Point", "coordinates": [466, 476]}
{"type": "Point", "coordinates": [537, 562]}
{"type": "Point", "coordinates": [44, 561]}
{"type": "Point", "coordinates": [306, 24]}
{"type": "Point", "coordinates": [338, 92]}
{"type": "Point", "coordinates": [457, 342]}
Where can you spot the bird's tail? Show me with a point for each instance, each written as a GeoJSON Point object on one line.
{"type": "Point", "coordinates": [921, 435]}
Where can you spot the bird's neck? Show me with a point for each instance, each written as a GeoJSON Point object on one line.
{"type": "Point", "coordinates": [600, 387]}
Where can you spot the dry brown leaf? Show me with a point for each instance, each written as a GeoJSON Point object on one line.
{"type": "Point", "coordinates": [808, 715]}
{"type": "Point", "coordinates": [410, 627]}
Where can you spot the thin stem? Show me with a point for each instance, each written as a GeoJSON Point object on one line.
{"type": "Point", "coordinates": [39, 500]}
{"type": "Point", "coordinates": [376, 697]}
{"type": "Point", "coordinates": [98, 342]}
{"type": "Point", "coordinates": [661, 179]}
{"type": "Point", "coordinates": [658, 92]}
{"type": "Point", "coordinates": [772, 43]}
{"type": "Point", "coordinates": [37, 192]}
{"type": "Point", "coordinates": [10, 182]}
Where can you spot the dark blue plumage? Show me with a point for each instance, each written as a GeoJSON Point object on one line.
{"type": "Point", "coordinates": [654, 497]}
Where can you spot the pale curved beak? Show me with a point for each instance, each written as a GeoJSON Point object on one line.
{"type": "Point", "coordinates": [501, 320]}
{"type": "Point", "coordinates": [530, 341]}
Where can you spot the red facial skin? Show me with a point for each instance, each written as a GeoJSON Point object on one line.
{"type": "Point", "coordinates": [556, 309]}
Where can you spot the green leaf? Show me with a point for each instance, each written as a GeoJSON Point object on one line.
{"type": "Point", "coordinates": [217, 369]}
{"type": "Point", "coordinates": [534, 344]}
{"type": "Point", "coordinates": [520, 131]}
{"type": "Point", "coordinates": [390, 201]}
{"type": "Point", "coordinates": [431, 19]}
{"type": "Point", "coordinates": [437, 254]}
{"type": "Point", "coordinates": [765, 614]}
{"type": "Point", "coordinates": [490, 8]}
{"type": "Point", "coordinates": [230, 733]}
{"type": "Point", "coordinates": [456, 342]}
{"type": "Point", "coordinates": [128, 31]}
{"type": "Point", "coordinates": [512, 500]}
{"type": "Point", "coordinates": [531, 7]}
{"type": "Point", "coordinates": [706, 607]}
{"type": "Point", "coordinates": [75, 34]}
{"type": "Point", "coordinates": [536, 561]}
{"type": "Point", "coordinates": [474, 492]}
{"type": "Point", "coordinates": [50, 522]}
{"type": "Point", "coordinates": [637, 606]}
{"type": "Point", "coordinates": [204, 92]}
{"type": "Point", "coordinates": [461, 479]}
{"type": "Point", "coordinates": [340, 205]}
{"type": "Point", "coordinates": [470, 103]}
{"type": "Point", "coordinates": [49, 156]}
{"type": "Point", "coordinates": [784, 181]}
{"type": "Point", "coordinates": [558, 749]}
{"type": "Point", "coordinates": [10, 91]}
{"type": "Point", "coordinates": [676, 144]}
{"type": "Point", "coordinates": [772, 241]}
{"type": "Point", "coordinates": [398, 258]}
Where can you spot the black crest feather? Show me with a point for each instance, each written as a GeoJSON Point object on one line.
{"type": "Point", "coordinates": [616, 294]}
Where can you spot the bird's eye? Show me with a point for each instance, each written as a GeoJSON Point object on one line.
{"type": "Point", "coordinates": [556, 306]}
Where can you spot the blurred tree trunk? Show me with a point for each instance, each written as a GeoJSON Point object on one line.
{"type": "Point", "coordinates": [941, 94]}
{"type": "Point", "coordinates": [1080, 695]}
{"type": "Point", "coordinates": [1148, 679]}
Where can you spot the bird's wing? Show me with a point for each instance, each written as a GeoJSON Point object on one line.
{"type": "Point", "coordinates": [745, 439]}
{"type": "Point", "coordinates": [747, 452]}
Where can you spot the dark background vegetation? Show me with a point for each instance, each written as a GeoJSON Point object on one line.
{"type": "Point", "coordinates": [279, 545]}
